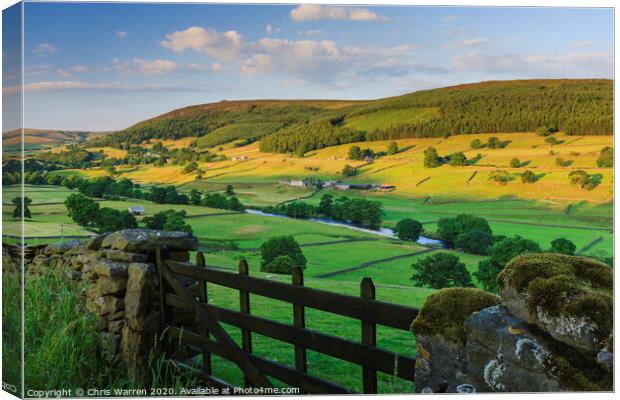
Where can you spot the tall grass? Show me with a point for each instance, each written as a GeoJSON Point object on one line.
{"type": "Point", "coordinates": [11, 330]}
{"type": "Point", "coordinates": [61, 341]}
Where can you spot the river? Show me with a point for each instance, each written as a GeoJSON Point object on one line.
{"type": "Point", "coordinates": [385, 232]}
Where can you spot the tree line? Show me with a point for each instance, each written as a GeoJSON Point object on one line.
{"type": "Point", "coordinates": [357, 211]}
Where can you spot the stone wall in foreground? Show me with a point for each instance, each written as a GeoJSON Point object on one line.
{"type": "Point", "coordinates": [550, 330]}
{"type": "Point", "coordinates": [119, 270]}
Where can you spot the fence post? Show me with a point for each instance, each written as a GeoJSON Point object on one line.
{"type": "Point", "coordinates": [299, 321]}
{"type": "Point", "coordinates": [369, 337]}
{"type": "Point", "coordinates": [165, 312]}
{"type": "Point", "coordinates": [204, 298]}
{"type": "Point", "coordinates": [244, 308]}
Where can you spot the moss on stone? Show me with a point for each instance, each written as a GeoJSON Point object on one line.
{"type": "Point", "coordinates": [563, 285]}
{"type": "Point", "coordinates": [575, 379]}
{"type": "Point", "coordinates": [444, 312]}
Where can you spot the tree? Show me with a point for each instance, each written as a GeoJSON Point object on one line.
{"type": "Point", "coordinates": [355, 153]}
{"type": "Point", "coordinates": [349, 171]}
{"type": "Point", "coordinates": [110, 220]}
{"type": "Point", "coordinates": [440, 271]}
{"type": "Point", "coordinates": [563, 246]}
{"type": "Point", "coordinates": [474, 241]}
{"type": "Point", "coordinates": [17, 212]}
{"type": "Point", "coordinates": [494, 143]}
{"type": "Point", "coordinates": [500, 177]}
{"type": "Point", "coordinates": [499, 254]}
{"type": "Point", "coordinates": [579, 178]}
{"type": "Point", "coordinates": [392, 148]}
{"type": "Point", "coordinates": [475, 144]}
{"type": "Point", "coordinates": [158, 221]}
{"type": "Point", "coordinates": [195, 197]}
{"type": "Point", "coordinates": [528, 177]}
{"type": "Point", "coordinates": [176, 223]}
{"type": "Point", "coordinates": [546, 130]}
{"type": "Point", "coordinates": [325, 204]}
{"type": "Point", "coordinates": [551, 140]}
{"type": "Point", "coordinates": [606, 158]}
{"type": "Point", "coordinates": [230, 191]}
{"type": "Point", "coordinates": [280, 265]}
{"type": "Point", "coordinates": [191, 167]}
{"type": "Point", "coordinates": [431, 158]}
{"type": "Point", "coordinates": [458, 159]}
{"type": "Point", "coordinates": [81, 209]}
{"type": "Point", "coordinates": [449, 228]}
{"type": "Point", "coordinates": [282, 246]}
{"type": "Point", "coordinates": [408, 229]}
{"type": "Point", "coordinates": [515, 163]}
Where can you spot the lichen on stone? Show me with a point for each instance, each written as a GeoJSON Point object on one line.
{"type": "Point", "coordinates": [575, 293]}
{"type": "Point", "coordinates": [540, 353]}
{"type": "Point", "coordinates": [493, 371]}
{"type": "Point", "coordinates": [444, 312]}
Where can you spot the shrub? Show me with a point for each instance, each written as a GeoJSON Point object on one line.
{"type": "Point", "coordinates": [515, 163]}
{"type": "Point", "coordinates": [475, 144]}
{"type": "Point", "coordinates": [563, 246]}
{"type": "Point", "coordinates": [392, 148]}
{"type": "Point", "coordinates": [546, 130]}
{"type": "Point", "coordinates": [606, 158]}
{"type": "Point", "coordinates": [494, 143]}
{"type": "Point", "coordinates": [500, 177]}
{"type": "Point", "coordinates": [282, 246]}
{"type": "Point", "coordinates": [280, 265]}
{"type": "Point", "coordinates": [431, 158]}
{"type": "Point", "coordinates": [408, 229]}
{"type": "Point", "coordinates": [458, 159]}
{"type": "Point", "coordinates": [528, 177]}
{"type": "Point", "coordinates": [349, 171]}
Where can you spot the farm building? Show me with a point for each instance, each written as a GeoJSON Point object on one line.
{"type": "Point", "coordinates": [136, 210]}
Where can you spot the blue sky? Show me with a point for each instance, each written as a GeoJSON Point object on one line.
{"type": "Point", "coordinates": [107, 66]}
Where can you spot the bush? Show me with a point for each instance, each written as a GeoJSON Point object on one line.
{"type": "Point", "coordinates": [563, 246]}
{"type": "Point", "coordinates": [458, 159]}
{"type": "Point", "coordinates": [475, 144]}
{"type": "Point", "coordinates": [440, 271]}
{"type": "Point", "coordinates": [499, 177]}
{"type": "Point", "coordinates": [349, 171]}
{"type": "Point", "coordinates": [528, 177]}
{"type": "Point", "coordinates": [606, 158]}
{"type": "Point", "coordinates": [408, 229]}
{"type": "Point", "coordinates": [280, 265]}
{"type": "Point", "coordinates": [515, 163]}
{"type": "Point", "coordinates": [431, 158]}
{"type": "Point", "coordinates": [282, 246]}
{"type": "Point", "coordinates": [392, 148]}
{"type": "Point", "coordinates": [546, 130]}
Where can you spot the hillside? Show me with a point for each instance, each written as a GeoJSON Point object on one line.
{"type": "Point", "coordinates": [576, 107]}
{"type": "Point", "coordinates": [44, 138]}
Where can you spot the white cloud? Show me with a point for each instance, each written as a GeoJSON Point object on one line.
{"type": "Point", "coordinates": [312, 12]}
{"type": "Point", "coordinates": [589, 64]}
{"type": "Point", "coordinates": [319, 61]}
{"type": "Point", "coordinates": [44, 49]}
{"type": "Point", "coordinates": [145, 67]}
{"type": "Point", "coordinates": [269, 28]}
{"type": "Point", "coordinates": [48, 86]}
{"type": "Point", "coordinates": [63, 73]}
{"type": "Point", "coordinates": [226, 45]}
{"type": "Point", "coordinates": [121, 34]}
{"type": "Point", "coordinates": [461, 44]}
{"type": "Point", "coordinates": [582, 43]}
{"type": "Point", "coordinates": [80, 68]}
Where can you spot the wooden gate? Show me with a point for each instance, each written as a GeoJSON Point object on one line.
{"type": "Point", "coordinates": [184, 286]}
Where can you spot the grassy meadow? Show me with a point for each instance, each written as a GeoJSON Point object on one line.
{"type": "Point", "coordinates": [338, 257]}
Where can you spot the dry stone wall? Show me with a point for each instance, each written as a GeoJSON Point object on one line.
{"type": "Point", "coordinates": [550, 332]}
{"type": "Point", "coordinates": [119, 270]}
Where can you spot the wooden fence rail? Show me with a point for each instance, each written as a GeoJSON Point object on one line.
{"type": "Point", "coordinates": [176, 293]}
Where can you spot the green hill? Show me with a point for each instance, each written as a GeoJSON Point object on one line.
{"type": "Point", "coordinates": [570, 105]}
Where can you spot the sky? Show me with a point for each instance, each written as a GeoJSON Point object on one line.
{"type": "Point", "coordinates": [102, 67]}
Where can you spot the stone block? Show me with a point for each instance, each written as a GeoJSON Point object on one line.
{"type": "Point", "coordinates": [146, 240]}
